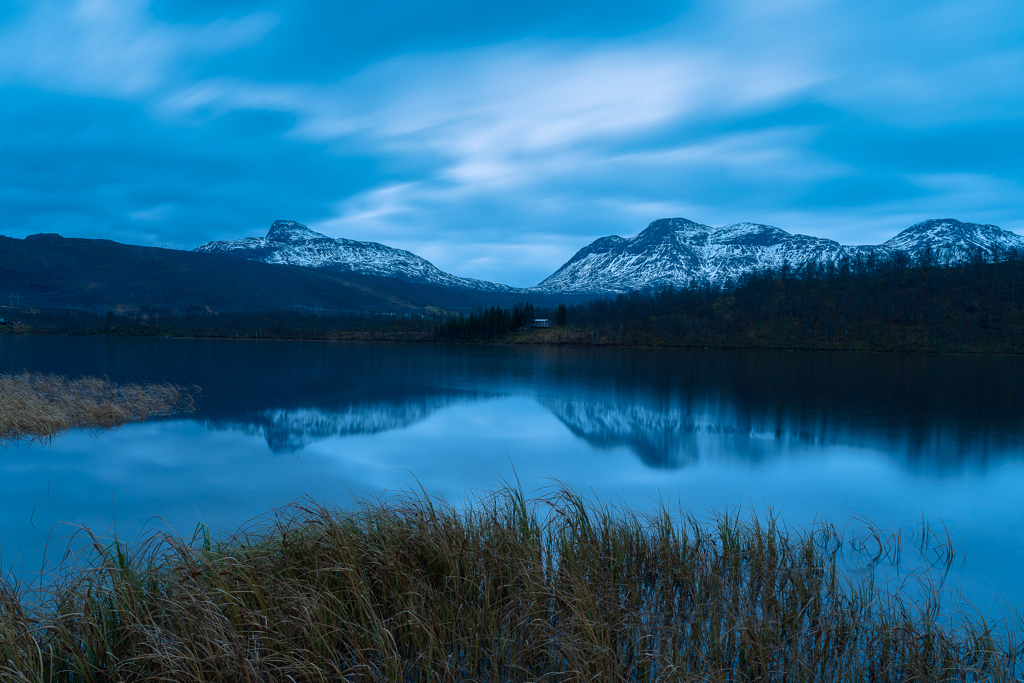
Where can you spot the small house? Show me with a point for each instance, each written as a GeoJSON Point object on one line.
{"type": "Point", "coordinates": [540, 322]}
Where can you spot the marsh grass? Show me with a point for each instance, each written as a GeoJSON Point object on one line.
{"type": "Point", "coordinates": [504, 589]}
{"type": "Point", "coordinates": [34, 406]}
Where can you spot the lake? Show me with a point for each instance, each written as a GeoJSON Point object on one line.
{"type": "Point", "coordinates": [811, 436]}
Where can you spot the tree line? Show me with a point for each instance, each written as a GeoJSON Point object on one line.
{"type": "Point", "coordinates": [874, 302]}
{"type": "Point", "coordinates": [148, 321]}
{"type": "Point", "coordinates": [870, 303]}
{"type": "Point", "coordinates": [486, 325]}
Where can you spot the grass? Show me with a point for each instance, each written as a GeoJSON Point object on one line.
{"type": "Point", "coordinates": [41, 406]}
{"type": "Point", "coordinates": [506, 589]}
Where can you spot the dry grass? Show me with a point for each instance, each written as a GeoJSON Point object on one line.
{"type": "Point", "coordinates": [40, 406]}
{"type": "Point", "coordinates": [507, 590]}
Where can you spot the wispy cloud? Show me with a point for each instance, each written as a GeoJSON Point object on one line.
{"type": "Point", "coordinates": [111, 47]}
{"type": "Point", "coordinates": [526, 125]}
{"type": "Point", "coordinates": [498, 159]}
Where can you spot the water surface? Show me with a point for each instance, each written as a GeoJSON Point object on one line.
{"type": "Point", "coordinates": [810, 435]}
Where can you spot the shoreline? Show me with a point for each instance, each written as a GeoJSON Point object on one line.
{"type": "Point", "coordinates": [513, 341]}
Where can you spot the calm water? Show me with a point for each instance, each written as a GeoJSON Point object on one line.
{"type": "Point", "coordinates": [810, 435]}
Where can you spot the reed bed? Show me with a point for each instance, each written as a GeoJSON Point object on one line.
{"type": "Point", "coordinates": [505, 589]}
{"type": "Point", "coordinates": [36, 406]}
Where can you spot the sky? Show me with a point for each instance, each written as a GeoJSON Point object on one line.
{"type": "Point", "coordinates": [497, 139]}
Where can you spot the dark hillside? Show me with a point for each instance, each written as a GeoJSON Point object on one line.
{"type": "Point", "coordinates": [48, 271]}
{"type": "Point", "coordinates": [881, 305]}
{"type": "Point", "coordinates": [874, 304]}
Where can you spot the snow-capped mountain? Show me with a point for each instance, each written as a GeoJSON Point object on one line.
{"type": "Point", "coordinates": [952, 241]}
{"type": "Point", "coordinates": [678, 252]}
{"type": "Point", "coordinates": [295, 244]}
{"type": "Point", "coordinates": [669, 252]}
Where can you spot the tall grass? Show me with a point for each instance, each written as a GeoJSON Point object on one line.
{"type": "Point", "coordinates": [506, 589]}
{"type": "Point", "coordinates": [40, 406]}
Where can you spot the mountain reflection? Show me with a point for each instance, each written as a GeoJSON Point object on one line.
{"type": "Point", "coordinates": [671, 438]}
{"type": "Point", "coordinates": [672, 408]}
{"type": "Point", "coordinates": [661, 436]}
{"type": "Point", "coordinates": [288, 430]}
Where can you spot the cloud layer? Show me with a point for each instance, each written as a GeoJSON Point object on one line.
{"type": "Point", "coordinates": [498, 144]}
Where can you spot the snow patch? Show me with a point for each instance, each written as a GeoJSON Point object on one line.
{"type": "Point", "coordinates": [289, 242]}
{"type": "Point", "coordinates": [678, 252]}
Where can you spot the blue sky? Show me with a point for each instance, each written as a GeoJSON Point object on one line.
{"type": "Point", "coordinates": [497, 140]}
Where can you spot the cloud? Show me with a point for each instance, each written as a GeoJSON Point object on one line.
{"type": "Point", "coordinates": [110, 47]}
{"type": "Point", "coordinates": [526, 124]}
{"type": "Point", "coordinates": [498, 149]}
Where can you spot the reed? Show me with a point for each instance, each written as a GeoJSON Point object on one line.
{"type": "Point", "coordinates": [41, 406]}
{"type": "Point", "coordinates": [504, 589]}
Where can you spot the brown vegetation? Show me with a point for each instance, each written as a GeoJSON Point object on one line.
{"type": "Point", "coordinates": [508, 589]}
{"type": "Point", "coordinates": [40, 406]}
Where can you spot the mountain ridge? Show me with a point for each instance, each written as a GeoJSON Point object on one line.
{"type": "Point", "coordinates": [675, 252]}
{"type": "Point", "coordinates": [47, 271]}
{"type": "Point", "coordinates": [679, 252]}
{"type": "Point", "coordinates": [292, 243]}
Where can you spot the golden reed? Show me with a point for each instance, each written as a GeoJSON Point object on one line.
{"type": "Point", "coordinates": [506, 589]}
{"type": "Point", "coordinates": [41, 406]}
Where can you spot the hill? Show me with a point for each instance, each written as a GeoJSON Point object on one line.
{"type": "Point", "coordinates": [48, 271]}
{"type": "Point", "coordinates": [292, 243]}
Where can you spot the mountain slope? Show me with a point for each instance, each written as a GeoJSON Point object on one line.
{"type": "Point", "coordinates": [951, 241]}
{"type": "Point", "coordinates": [49, 271]}
{"type": "Point", "coordinates": [289, 242]}
{"type": "Point", "coordinates": [678, 252]}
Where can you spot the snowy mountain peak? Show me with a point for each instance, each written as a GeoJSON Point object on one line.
{"type": "Point", "coordinates": [670, 226]}
{"type": "Point", "coordinates": [673, 252]}
{"type": "Point", "coordinates": [947, 235]}
{"type": "Point", "coordinates": [666, 231]}
{"type": "Point", "coordinates": [292, 231]}
{"type": "Point", "coordinates": [758, 235]}
{"type": "Point", "coordinates": [292, 243]}
{"type": "Point", "coordinates": [948, 225]}
{"type": "Point", "coordinates": [679, 252]}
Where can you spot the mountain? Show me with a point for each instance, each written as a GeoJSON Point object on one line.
{"type": "Point", "coordinates": [951, 241]}
{"type": "Point", "coordinates": [289, 242]}
{"type": "Point", "coordinates": [678, 252]}
{"type": "Point", "coordinates": [47, 271]}
{"type": "Point", "coordinates": [669, 252]}
{"type": "Point", "coordinates": [296, 268]}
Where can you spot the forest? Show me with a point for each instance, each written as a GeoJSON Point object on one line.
{"type": "Point", "coordinates": [489, 324]}
{"type": "Point", "coordinates": [883, 304]}
{"type": "Point", "coordinates": [870, 304]}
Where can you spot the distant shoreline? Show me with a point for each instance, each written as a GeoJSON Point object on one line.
{"type": "Point", "coordinates": [530, 339]}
